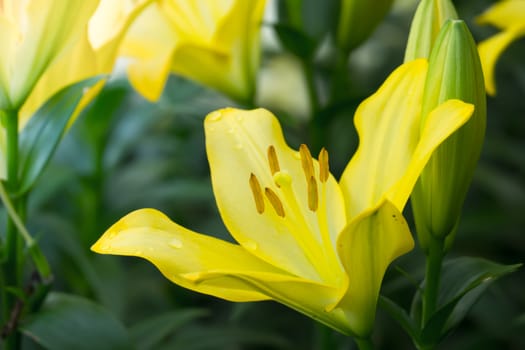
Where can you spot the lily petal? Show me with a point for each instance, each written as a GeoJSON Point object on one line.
{"type": "Point", "coordinates": [388, 127]}
{"type": "Point", "coordinates": [50, 27]}
{"type": "Point", "coordinates": [151, 42]}
{"type": "Point", "coordinates": [392, 150]}
{"type": "Point", "coordinates": [291, 236]}
{"type": "Point", "coordinates": [215, 267]}
{"type": "Point", "coordinates": [491, 49]}
{"type": "Point", "coordinates": [504, 14]}
{"type": "Point", "coordinates": [366, 247]}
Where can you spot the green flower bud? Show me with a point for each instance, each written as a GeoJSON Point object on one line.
{"type": "Point", "coordinates": [454, 73]}
{"type": "Point", "coordinates": [358, 19]}
{"type": "Point", "coordinates": [428, 20]}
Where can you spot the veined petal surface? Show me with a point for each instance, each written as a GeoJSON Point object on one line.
{"type": "Point", "coordinates": [366, 247]}
{"type": "Point", "coordinates": [215, 267]}
{"type": "Point", "coordinates": [388, 127]}
{"type": "Point", "coordinates": [392, 150]}
{"type": "Point", "coordinates": [292, 237]}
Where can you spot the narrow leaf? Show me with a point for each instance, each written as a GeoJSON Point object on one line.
{"type": "Point", "coordinates": [41, 135]}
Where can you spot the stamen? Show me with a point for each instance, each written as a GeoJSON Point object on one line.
{"type": "Point", "coordinates": [257, 193]}
{"type": "Point", "coordinates": [275, 202]}
{"type": "Point", "coordinates": [306, 161]}
{"type": "Point", "coordinates": [272, 159]}
{"type": "Point", "coordinates": [324, 166]}
{"type": "Point", "coordinates": [313, 196]}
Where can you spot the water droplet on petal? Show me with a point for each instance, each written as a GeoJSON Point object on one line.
{"type": "Point", "coordinates": [297, 155]}
{"type": "Point", "coordinates": [138, 252]}
{"type": "Point", "coordinates": [239, 146]}
{"type": "Point", "coordinates": [215, 116]}
{"type": "Point", "coordinates": [231, 130]}
{"type": "Point", "coordinates": [175, 243]}
{"type": "Point", "coordinates": [239, 118]}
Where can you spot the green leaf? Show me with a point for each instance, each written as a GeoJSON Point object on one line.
{"type": "Point", "coordinates": [295, 41]}
{"type": "Point", "coordinates": [150, 333]}
{"type": "Point", "coordinates": [71, 322]}
{"type": "Point", "coordinates": [400, 315]}
{"type": "Point", "coordinates": [41, 135]}
{"type": "Point", "coordinates": [463, 281]}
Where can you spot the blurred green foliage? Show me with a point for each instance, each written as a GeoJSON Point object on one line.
{"type": "Point", "coordinates": [125, 153]}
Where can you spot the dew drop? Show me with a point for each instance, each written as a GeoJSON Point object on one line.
{"type": "Point", "coordinates": [250, 245]}
{"type": "Point", "coordinates": [138, 252]}
{"type": "Point", "coordinates": [175, 243]}
{"type": "Point", "coordinates": [297, 155]}
{"type": "Point", "coordinates": [215, 116]}
{"type": "Point", "coordinates": [239, 118]}
{"type": "Point", "coordinates": [239, 146]}
{"type": "Point", "coordinates": [231, 130]}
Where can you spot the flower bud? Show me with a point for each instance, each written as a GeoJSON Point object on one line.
{"type": "Point", "coordinates": [357, 21]}
{"type": "Point", "coordinates": [454, 73]}
{"type": "Point", "coordinates": [428, 20]}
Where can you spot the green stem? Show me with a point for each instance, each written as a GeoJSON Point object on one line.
{"type": "Point", "coordinates": [364, 343]}
{"type": "Point", "coordinates": [434, 261]}
{"type": "Point", "coordinates": [13, 246]}
{"type": "Point", "coordinates": [317, 134]}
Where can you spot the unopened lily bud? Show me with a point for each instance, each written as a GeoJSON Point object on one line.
{"type": "Point", "coordinates": [358, 19]}
{"type": "Point", "coordinates": [428, 20]}
{"type": "Point", "coordinates": [454, 73]}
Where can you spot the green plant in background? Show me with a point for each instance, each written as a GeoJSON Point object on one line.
{"type": "Point", "coordinates": [296, 236]}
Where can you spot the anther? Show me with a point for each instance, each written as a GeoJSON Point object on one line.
{"type": "Point", "coordinates": [324, 167]}
{"type": "Point", "coordinates": [275, 202]}
{"type": "Point", "coordinates": [272, 160]}
{"type": "Point", "coordinates": [313, 196]}
{"type": "Point", "coordinates": [257, 193]}
{"type": "Point", "coordinates": [306, 161]}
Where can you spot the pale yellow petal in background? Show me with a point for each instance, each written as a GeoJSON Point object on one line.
{"type": "Point", "coordinates": [491, 49]}
{"type": "Point", "coordinates": [504, 14]}
{"type": "Point", "coordinates": [509, 16]}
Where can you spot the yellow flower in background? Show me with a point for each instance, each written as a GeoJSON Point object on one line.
{"type": "Point", "coordinates": [215, 43]}
{"type": "Point", "coordinates": [305, 240]}
{"type": "Point", "coordinates": [509, 16]}
{"type": "Point", "coordinates": [47, 45]}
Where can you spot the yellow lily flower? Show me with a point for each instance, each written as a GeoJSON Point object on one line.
{"type": "Point", "coordinates": [509, 16]}
{"type": "Point", "coordinates": [49, 44]}
{"type": "Point", "coordinates": [215, 43]}
{"type": "Point", "coordinates": [304, 240]}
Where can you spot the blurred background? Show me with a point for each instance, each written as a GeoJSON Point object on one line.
{"type": "Point", "coordinates": [125, 153]}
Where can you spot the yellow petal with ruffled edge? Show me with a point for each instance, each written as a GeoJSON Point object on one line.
{"type": "Point", "coordinates": [215, 267]}
{"type": "Point", "coordinates": [388, 127]}
{"type": "Point", "coordinates": [284, 232]}
{"type": "Point", "coordinates": [366, 247]}
{"type": "Point", "coordinates": [392, 152]}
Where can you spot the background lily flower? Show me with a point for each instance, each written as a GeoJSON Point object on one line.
{"type": "Point", "coordinates": [509, 16]}
{"type": "Point", "coordinates": [304, 240]}
{"type": "Point", "coordinates": [215, 43]}
{"type": "Point", "coordinates": [47, 45]}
